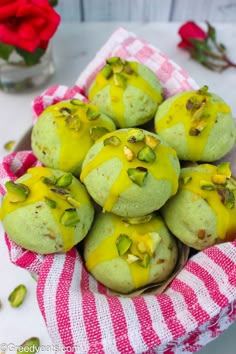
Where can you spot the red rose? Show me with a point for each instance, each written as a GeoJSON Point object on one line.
{"type": "Point", "coordinates": [204, 47]}
{"type": "Point", "coordinates": [189, 31]}
{"type": "Point", "coordinates": [27, 24]}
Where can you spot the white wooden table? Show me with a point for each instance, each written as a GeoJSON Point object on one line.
{"type": "Point", "coordinates": [74, 46]}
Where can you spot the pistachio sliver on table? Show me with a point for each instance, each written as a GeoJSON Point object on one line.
{"type": "Point", "coordinates": [17, 296]}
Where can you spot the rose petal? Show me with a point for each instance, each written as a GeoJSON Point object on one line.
{"type": "Point", "coordinates": [26, 31]}
{"type": "Point", "coordinates": [5, 33]}
{"type": "Point", "coordinates": [191, 30]}
{"type": "Point", "coordinates": [27, 24]}
{"type": "Point", "coordinates": [8, 11]}
{"type": "Point", "coordinates": [184, 44]}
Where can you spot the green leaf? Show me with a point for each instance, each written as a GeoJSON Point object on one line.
{"type": "Point", "coordinates": [5, 51]}
{"type": "Point", "coordinates": [31, 58]}
{"type": "Point", "coordinates": [199, 44]}
{"type": "Point", "coordinates": [53, 2]}
{"type": "Point", "coordinates": [211, 32]}
{"type": "Point", "coordinates": [222, 48]}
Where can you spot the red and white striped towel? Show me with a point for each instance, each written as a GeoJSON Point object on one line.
{"type": "Point", "coordinates": [80, 315]}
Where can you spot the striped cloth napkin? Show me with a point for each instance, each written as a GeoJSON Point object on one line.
{"type": "Point", "coordinates": [80, 314]}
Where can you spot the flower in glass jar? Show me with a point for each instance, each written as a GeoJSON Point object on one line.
{"type": "Point", "coordinates": [203, 46]}
{"type": "Point", "coordinates": [27, 27]}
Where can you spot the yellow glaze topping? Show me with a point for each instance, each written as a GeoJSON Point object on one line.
{"type": "Point", "coordinates": [38, 192]}
{"type": "Point", "coordinates": [116, 92]}
{"type": "Point", "coordinates": [74, 130]}
{"type": "Point", "coordinates": [226, 217]}
{"type": "Point", "coordinates": [107, 249]}
{"type": "Point", "coordinates": [161, 168]}
{"type": "Point", "coordinates": [197, 122]}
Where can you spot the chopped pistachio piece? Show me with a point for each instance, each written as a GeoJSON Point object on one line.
{"type": "Point", "coordinates": [8, 146]}
{"type": "Point", "coordinates": [17, 296]}
{"type": "Point", "coordinates": [137, 175]}
{"type": "Point", "coordinates": [60, 191]}
{"type": "Point", "coordinates": [107, 71]}
{"type": "Point", "coordinates": [65, 111]}
{"type": "Point", "coordinates": [97, 132]}
{"type": "Point", "coordinates": [227, 197]}
{"type": "Point", "coordinates": [17, 192]}
{"type": "Point", "coordinates": [231, 184]}
{"type": "Point", "coordinates": [119, 80]}
{"type": "Point", "coordinates": [92, 114]}
{"type": "Point", "coordinates": [73, 202]}
{"type": "Point", "coordinates": [154, 242]}
{"type": "Point", "coordinates": [145, 261]}
{"type": "Point", "coordinates": [70, 217]}
{"type": "Point", "coordinates": [196, 129]}
{"type": "Point", "coordinates": [230, 202]}
{"type": "Point", "coordinates": [131, 258]}
{"type": "Point", "coordinates": [129, 154]}
{"type": "Point", "coordinates": [112, 140]}
{"type": "Point", "coordinates": [123, 244]}
{"type": "Point", "coordinates": [146, 154]}
{"type": "Point", "coordinates": [141, 246]}
{"type": "Point", "coordinates": [128, 69]}
{"type": "Point", "coordinates": [151, 141]}
{"type": "Point", "coordinates": [136, 135]}
{"type": "Point", "coordinates": [64, 180]}
{"type": "Point", "coordinates": [219, 179]}
{"type": "Point", "coordinates": [31, 345]}
{"type": "Point", "coordinates": [118, 67]}
{"type": "Point", "coordinates": [224, 169]}
{"type": "Point", "coordinates": [51, 203]}
{"type": "Point", "coordinates": [191, 103]}
{"type": "Point", "coordinates": [49, 181]}
{"type": "Point", "coordinates": [113, 60]}
{"type": "Point", "coordinates": [207, 185]}
{"type": "Point", "coordinates": [73, 122]}
{"type": "Point", "coordinates": [77, 102]}
{"type": "Point", "coordinates": [203, 90]}
{"type": "Point", "coordinates": [138, 219]}
{"type": "Point", "coordinates": [199, 112]}
{"type": "Point", "coordinates": [186, 179]}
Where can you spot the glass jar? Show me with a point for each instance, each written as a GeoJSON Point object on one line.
{"type": "Point", "coordinates": [16, 76]}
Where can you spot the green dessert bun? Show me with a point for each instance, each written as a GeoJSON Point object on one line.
{"type": "Point", "coordinates": [197, 124]}
{"type": "Point", "coordinates": [127, 91]}
{"type": "Point", "coordinates": [46, 211]}
{"type": "Point", "coordinates": [65, 131]}
{"type": "Point", "coordinates": [130, 172]}
{"type": "Point", "coordinates": [128, 254]}
{"type": "Point", "coordinates": [203, 212]}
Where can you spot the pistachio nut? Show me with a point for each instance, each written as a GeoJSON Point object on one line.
{"type": "Point", "coordinates": [97, 132]}
{"type": "Point", "coordinates": [64, 180]}
{"type": "Point", "coordinates": [31, 345]}
{"type": "Point", "coordinates": [146, 154]}
{"type": "Point", "coordinates": [112, 140]}
{"type": "Point", "coordinates": [137, 175]}
{"type": "Point", "coordinates": [51, 203]}
{"type": "Point", "coordinates": [207, 185]}
{"type": "Point", "coordinates": [17, 296]}
{"type": "Point", "coordinates": [17, 192]}
{"type": "Point", "coordinates": [129, 154]}
{"type": "Point", "coordinates": [136, 135]}
{"type": "Point", "coordinates": [70, 217]}
{"type": "Point", "coordinates": [123, 244]}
